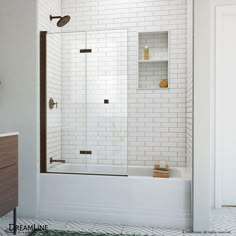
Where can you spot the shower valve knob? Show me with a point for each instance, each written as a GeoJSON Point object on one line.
{"type": "Point", "coordinates": [52, 103]}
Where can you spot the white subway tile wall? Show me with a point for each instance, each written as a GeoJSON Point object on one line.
{"type": "Point", "coordinates": [156, 118]}
{"type": "Point", "coordinates": [159, 122]}
{"type": "Point", "coordinates": [189, 82]}
{"type": "Point", "coordinates": [89, 123]}
{"type": "Point", "coordinates": [107, 80]}
{"type": "Point", "coordinates": [88, 80]}
{"type": "Point", "coordinates": [46, 8]}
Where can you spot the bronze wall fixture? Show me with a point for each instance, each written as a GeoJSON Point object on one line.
{"type": "Point", "coordinates": [62, 20]}
{"type": "Point", "coordinates": [52, 103]}
{"type": "Point", "coordinates": [85, 50]}
{"type": "Point", "coordinates": [60, 161]}
{"type": "Point", "coordinates": [86, 152]}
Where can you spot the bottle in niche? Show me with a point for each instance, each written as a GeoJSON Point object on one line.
{"type": "Point", "coordinates": [146, 53]}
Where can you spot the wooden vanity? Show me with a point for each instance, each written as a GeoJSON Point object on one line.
{"type": "Point", "coordinates": [9, 174]}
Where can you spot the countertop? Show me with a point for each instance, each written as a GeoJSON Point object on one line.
{"type": "Point", "coordinates": [8, 134]}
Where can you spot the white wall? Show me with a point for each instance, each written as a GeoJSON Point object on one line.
{"type": "Point", "coordinates": [156, 118]}
{"type": "Point", "coordinates": [201, 160]}
{"type": "Point", "coordinates": [204, 153]}
{"type": "Point", "coordinates": [215, 198]}
{"type": "Point", "coordinates": [47, 8]}
{"type": "Point", "coordinates": [18, 106]}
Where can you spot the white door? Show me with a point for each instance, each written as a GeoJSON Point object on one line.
{"type": "Point", "coordinates": [226, 101]}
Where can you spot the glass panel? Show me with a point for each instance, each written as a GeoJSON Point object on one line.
{"type": "Point", "coordinates": [66, 124]}
{"type": "Point", "coordinates": [107, 101]}
{"type": "Point", "coordinates": [90, 95]}
{"type": "Point", "coordinates": [74, 107]}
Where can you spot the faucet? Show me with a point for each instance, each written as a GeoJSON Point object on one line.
{"type": "Point", "coordinates": [51, 161]}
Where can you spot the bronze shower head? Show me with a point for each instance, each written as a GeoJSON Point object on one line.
{"type": "Point", "coordinates": [62, 20]}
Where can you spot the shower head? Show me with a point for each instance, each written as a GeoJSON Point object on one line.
{"type": "Point", "coordinates": [62, 20]}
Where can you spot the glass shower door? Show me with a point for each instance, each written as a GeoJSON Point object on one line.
{"type": "Point", "coordinates": [74, 105]}
{"type": "Point", "coordinates": [87, 83]}
{"type": "Point", "coordinates": [66, 87]}
{"type": "Point", "coordinates": [107, 101]}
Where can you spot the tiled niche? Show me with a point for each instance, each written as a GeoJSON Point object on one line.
{"type": "Point", "coordinates": [155, 69]}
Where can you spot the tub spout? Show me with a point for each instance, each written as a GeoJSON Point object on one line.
{"type": "Point", "coordinates": [51, 161]}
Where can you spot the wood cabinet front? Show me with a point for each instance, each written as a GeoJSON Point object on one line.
{"type": "Point", "coordinates": [8, 151]}
{"type": "Point", "coordinates": [8, 174]}
{"type": "Point", "coordinates": [8, 189]}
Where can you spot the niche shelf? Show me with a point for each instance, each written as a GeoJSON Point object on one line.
{"type": "Point", "coordinates": [151, 72]}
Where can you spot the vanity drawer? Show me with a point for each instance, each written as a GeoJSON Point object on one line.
{"type": "Point", "coordinates": [8, 189]}
{"type": "Point", "coordinates": [8, 150]}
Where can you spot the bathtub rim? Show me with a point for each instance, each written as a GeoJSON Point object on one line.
{"type": "Point", "coordinates": [183, 170]}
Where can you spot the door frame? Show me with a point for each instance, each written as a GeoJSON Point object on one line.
{"type": "Point", "coordinates": [219, 8]}
{"type": "Point", "coordinates": [43, 101]}
{"type": "Point", "coordinates": [218, 117]}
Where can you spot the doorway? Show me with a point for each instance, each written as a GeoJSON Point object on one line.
{"type": "Point", "coordinates": [225, 122]}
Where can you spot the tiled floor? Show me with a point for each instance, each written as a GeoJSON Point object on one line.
{"type": "Point", "coordinates": [223, 221]}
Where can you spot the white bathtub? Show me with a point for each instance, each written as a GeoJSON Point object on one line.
{"type": "Point", "coordinates": [137, 199]}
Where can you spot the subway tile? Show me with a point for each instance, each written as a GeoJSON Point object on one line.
{"type": "Point", "coordinates": [154, 118]}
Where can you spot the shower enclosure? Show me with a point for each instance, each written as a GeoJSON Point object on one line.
{"type": "Point", "coordinates": [85, 126]}
{"type": "Point", "coordinates": [84, 102]}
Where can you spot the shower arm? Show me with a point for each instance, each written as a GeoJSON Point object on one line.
{"type": "Point", "coordinates": [54, 17]}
